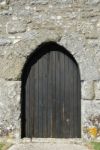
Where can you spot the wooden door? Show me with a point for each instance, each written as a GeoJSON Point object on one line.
{"type": "Point", "coordinates": [52, 97]}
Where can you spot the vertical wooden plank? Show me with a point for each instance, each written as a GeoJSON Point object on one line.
{"type": "Point", "coordinates": [71, 98]}
{"type": "Point", "coordinates": [57, 94]}
{"type": "Point", "coordinates": [79, 105]}
{"type": "Point", "coordinates": [51, 101]}
{"type": "Point", "coordinates": [53, 94]}
{"type": "Point", "coordinates": [27, 106]}
{"type": "Point", "coordinates": [29, 101]}
{"type": "Point", "coordinates": [67, 100]}
{"type": "Point", "coordinates": [36, 103]}
{"type": "Point", "coordinates": [45, 96]}
{"type": "Point", "coordinates": [74, 100]}
{"type": "Point", "coordinates": [40, 105]}
{"type": "Point", "coordinates": [74, 105]}
{"type": "Point", "coordinates": [32, 99]}
{"type": "Point", "coordinates": [62, 93]}
{"type": "Point", "coordinates": [49, 95]}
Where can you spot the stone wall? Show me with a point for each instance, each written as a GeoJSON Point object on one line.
{"type": "Point", "coordinates": [24, 24]}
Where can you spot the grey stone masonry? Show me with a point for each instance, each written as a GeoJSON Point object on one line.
{"type": "Point", "coordinates": [97, 90]}
{"type": "Point", "coordinates": [9, 108]}
{"type": "Point", "coordinates": [24, 24]}
{"type": "Point", "coordinates": [16, 26]}
{"type": "Point", "coordinates": [88, 90]}
{"type": "Point", "coordinates": [5, 41]}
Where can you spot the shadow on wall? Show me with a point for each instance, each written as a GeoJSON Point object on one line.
{"type": "Point", "coordinates": [41, 50]}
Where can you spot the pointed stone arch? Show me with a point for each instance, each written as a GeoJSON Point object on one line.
{"type": "Point", "coordinates": [71, 123]}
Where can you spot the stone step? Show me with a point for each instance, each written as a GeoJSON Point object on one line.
{"type": "Point", "coordinates": [48, 144]}
{"type": "Point", "coordinates": [53, 140]}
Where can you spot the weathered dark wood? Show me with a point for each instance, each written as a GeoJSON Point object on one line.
{"type": "Point", "coordinates": [78, 105]}
{"type": "Point", "coordinates": [40, 105]}
{"type": "Point", "coordinates": [45, 98]}
{"type": "Point", "coordinates": [71, 97]}
{"type": "Point", "coordinates": [57, 95]}
{"type": "Point", "coordinates": [53, 94]}
{"type": "Point", "coordinates": [67, 99]}
{"type": "Point", "coordinates": [49, 95]}
{"type": "Point", "coordinates": [32, 98]}
{"type": "Point", "coordinates": [53, 106]}
{"type": "Point", "coordinates": [36, 110]}
{"type": "Point", "coordinates": [27, 108]}
{"type": "Point", "coordinates": [75, 97]}
{"type": "Point", "coordinates": [62, 93]}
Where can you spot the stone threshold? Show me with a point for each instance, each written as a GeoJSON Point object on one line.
{"type": "Point", "coordinates": [78, 141]}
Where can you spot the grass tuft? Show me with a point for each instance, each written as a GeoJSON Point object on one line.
{"type": "Point", "coordinates": [95, 145]}
{"type": "Point", "coordinates": [1, 146]}
{"type": "Point", "coordinates": [4, 146]}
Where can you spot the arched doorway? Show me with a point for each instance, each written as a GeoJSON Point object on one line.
{"type": "Point", "coordinates": [51, 94]}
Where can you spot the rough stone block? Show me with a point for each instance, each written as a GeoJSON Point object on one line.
{"type": "Point", "coordinates": [73, 42]}
{"type": "Point", "coordinates": [5, 41]}
{"type": "Point", "coordinates": [97, 90]}
{"type": "Point", "coordinates": [16, 26]}
{"type": "Point", "coordinates": [9, 107]}
{"type": "Point", "coordinates": [98, 24]}
{"type": "Point", "coordinates": [2, 2]}
{"type": "Point", "coordinates": [89, 70]}
{"type": "Point", "coordinates": [76, 45]}
{"type": "Point", "coordinates": [89, 29]}
{"type": "Point", "coordinates": [90, 118]}
{"type": "Point", "coordinates": [90, 108]}
{"type": "Point", "coordinates": [43, 2]}
{"type": "Point", "coordinates": [92, 2]}
{"type": "Point", "coordinates": [31, 39]}
{"type": "Point", "coordinates": [11, 66]}
{"type": "Point", "coordinates": [64, 1]}
{"type": "Point", "coordinates": [88, 90]}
